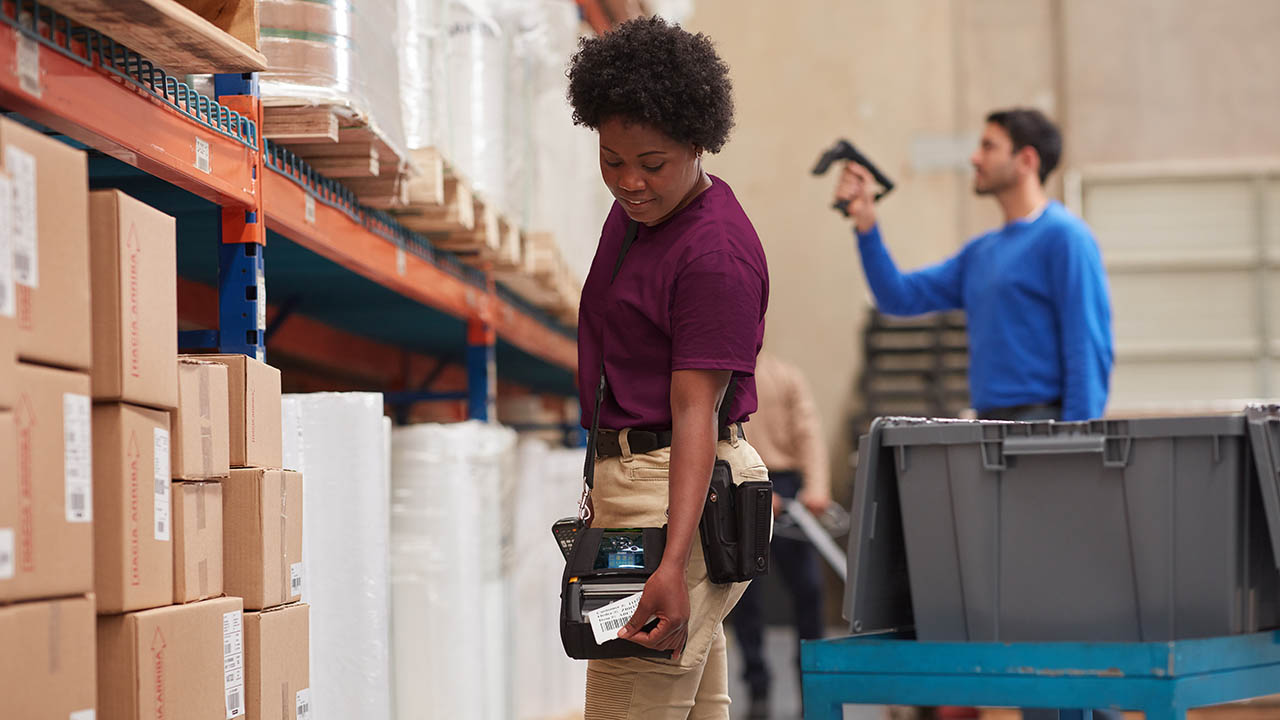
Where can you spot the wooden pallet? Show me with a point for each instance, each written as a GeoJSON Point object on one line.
{"type": "Point", "coordinates": [454, 214]}
{"type": "Point", "coordinates": [181, 36]}
{"type": "Point", "coordinates": [343, 148]}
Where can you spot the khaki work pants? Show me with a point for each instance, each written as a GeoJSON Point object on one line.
{"type": "Point", "coordinates": [632, 491]}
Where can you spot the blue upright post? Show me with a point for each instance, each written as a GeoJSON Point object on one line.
{"type": "Point", "coordinates": [242, 292]}
{"type": "Point", "coordinates": [482, 378]}
{"type": "Point", "coordinates": [242, 300]}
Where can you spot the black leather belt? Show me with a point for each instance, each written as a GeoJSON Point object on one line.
{"type": "Point", "coordinates": [641, 441]}
{"type": "Point", "coordinates": [1020, 412]}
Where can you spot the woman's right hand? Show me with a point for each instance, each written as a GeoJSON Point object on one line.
{"type": "Point", "coordinates": [665, 597]}
{"type": "Point", "coordinates": [855, 186]}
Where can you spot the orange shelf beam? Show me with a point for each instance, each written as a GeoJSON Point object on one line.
{"type": "Point", "coordinates": [330, 233]}
{"type": "Point", "coordinates": [103, 112]}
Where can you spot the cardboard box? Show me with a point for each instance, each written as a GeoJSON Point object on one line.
{"type": "Point", "coordinates": [277, 665]}
{"type": "Point", "coordinates": [8, 301]}
{"type": "Point", "coordinates": [254, 396]}
{"type": "Point", "coordinates": [181, 662]}
{"type": "Point", "coordinates": [8, 361]}
{"type": "Point", "coordinates": [46, 506]}
{"type": "Point", "coordinates": [262, 537]}
{"type": "Point", "coordinates": [133, 546]}
{"type": "Point", "coordinates": [47, 664]}
{"type": "Point", "coordinates": [50, 182]}
{"type": "Point", "coordinates": [134, 270]}
{"type": "Point", "coordinates": [202, 422]}
{"type": "Point", "coordinates": [197, 541]}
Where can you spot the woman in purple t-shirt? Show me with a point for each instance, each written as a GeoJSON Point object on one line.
{"type": "Point", "coordinates": [672, 324]}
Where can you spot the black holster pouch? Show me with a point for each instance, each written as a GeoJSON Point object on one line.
{"type": "Point", "coordinates": [586, 586]}
{"type": "Point", "coordinates": [735, 527]}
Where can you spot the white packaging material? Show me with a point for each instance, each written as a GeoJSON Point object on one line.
{"type": "Point", "coordinates": [547, 683]}
{"type": "Point", "coordinates": [449, 592]}
{"type": "Point", "coordinates": [475, 55]}
{"type": "Point", "coordinates": [423, 74]}
{"type": "Point", "coordinates": [338, 442]}
{"type": "Point", "coordinates": [338, 53]}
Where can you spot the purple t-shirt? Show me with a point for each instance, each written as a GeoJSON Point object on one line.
{"type": "Point", "coordinates": [691, 295]}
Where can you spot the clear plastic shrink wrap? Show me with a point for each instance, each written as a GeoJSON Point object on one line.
{"type": "Point", "coordinates": [450, 595]}
{"type": "Point", "coordinates": [547, 683]}
{"type": "Point", "coordinates": [338, 442]}
{"type": "Point", "coordinates": [423, 74]}
{"type": "Point", "coordinates": [340, 53]}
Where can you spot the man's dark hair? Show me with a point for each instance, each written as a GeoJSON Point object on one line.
{"type": "Point", "coordinates": [1030, 128]}
{"type": "Point", "coordinates": [657, 74]}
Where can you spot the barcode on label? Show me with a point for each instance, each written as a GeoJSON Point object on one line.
{"type": "Point", "coordinates": [295, 579]}
{"type": "Point", "coordinates": [202, 155]}
{"type": "Point", "coordinates": [235, 704]}
{"type": "Point", "coordinates": [614, 624]}
{"type": "Point", "coordinates": [304, 704]}
{"type": "Point", "coordinates": [160, 474]}
{"type": "Point", "coordinates": [77, 458]}
{"type": "Point", "coordinates": [21, 166]}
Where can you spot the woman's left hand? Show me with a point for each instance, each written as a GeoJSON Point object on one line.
{"type": "Point", "coordinates": [665, 597]}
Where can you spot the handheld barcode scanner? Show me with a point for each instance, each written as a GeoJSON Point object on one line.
{"type": "Point", "coordinates": [606, 565]}
{"type": "Point", "coordinates": [844, 150]}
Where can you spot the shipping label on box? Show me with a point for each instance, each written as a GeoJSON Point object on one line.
{"type": "Point", "coordinates": [50, 233]}
{"type": "Point", "coordinates": [202, 422]}
{"type": "Point", "coordinates": [172, 663]}
{"type": "Point", "coordinates": [47, 503]}
{"type": "Point", "coordinates": [197, 549]}
{"type": "Point", "coordinates": [47, 668]}
{"type": "Point", "coordinates": [133, 554]}
{"type": "Point", "coordinates": [277, 663]}
{"type": "Point", "coordinates": [262, 536]}
{"type": "Point", "coordinates": [133, 268]}
{"type": "Point", "coordinates": [255, 410]}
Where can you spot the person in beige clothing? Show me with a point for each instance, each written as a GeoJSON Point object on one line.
{"type": "Point", "coordinates": [787, 433]}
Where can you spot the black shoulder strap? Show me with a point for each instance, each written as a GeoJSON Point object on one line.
{"type": "Point", "coordinates": [633, 229]}
{"type": "Point", "coordinates": [589, 465]}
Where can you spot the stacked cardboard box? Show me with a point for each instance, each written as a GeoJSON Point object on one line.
{"type": "Point", "coordinates": [135, 385]}
{"type": "Point", "coordinates": [262, 544]}
{"type": "Point", "coordinates": [47, 669]}
{"type": "Point", "coordinates": [201, 462]}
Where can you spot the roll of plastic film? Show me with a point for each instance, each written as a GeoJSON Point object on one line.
{"type": "Point", "coordinates": [327, 17]}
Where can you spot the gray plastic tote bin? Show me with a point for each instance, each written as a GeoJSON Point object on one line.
{"type": "Point", "coordinates": [1128, 530]}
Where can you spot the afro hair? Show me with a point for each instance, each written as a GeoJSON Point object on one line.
{"type": "Point", "coordinates": [654, 73]}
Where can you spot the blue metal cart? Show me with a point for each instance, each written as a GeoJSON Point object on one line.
{"type": "Point", "coordinates": [1162, 679]}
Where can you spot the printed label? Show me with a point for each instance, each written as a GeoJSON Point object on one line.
{"type": "Point", "coordinates": [304, 705]}
{"type": "Point", "coordinates": [77, 457]}
{"type": "Point", "coordinates": [295, 579]}
{"type": "Point", "coordinates": [8, 293]}
{"type": "Point", "coordinates": [21, 167]}
{"type": "Point", "coordinates": [7, 548]}
{"type": "Point", "coordinates": [233, 662]}
{"type": "Point", "coordinates": [161, 475]}
{"type": "Point", "coordinates": [202, 155]}
{"type": "Point", "coordinates": [84, 715]}
{"type": "Point", "coordinates": [401, 262]}
{"type": "Point", "coordinates": [608, 620]}
{"type": "Point", "coordinates": [309, 209]}
{"type": "Point", "coordinates": [29, 65]}
{"type": "Point", "coordinates": [261, 300]}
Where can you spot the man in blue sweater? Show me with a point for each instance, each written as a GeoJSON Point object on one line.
{"type": "Point", "coordinates": [1034, 290]}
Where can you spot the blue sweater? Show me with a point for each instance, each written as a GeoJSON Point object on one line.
{"type": "Point", "coordinates": [1039, 314]}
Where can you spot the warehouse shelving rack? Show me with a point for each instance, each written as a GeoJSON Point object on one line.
{"type": "Point", "coordinates": [360, 292]}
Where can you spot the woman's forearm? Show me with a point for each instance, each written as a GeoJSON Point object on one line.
{"type": "Point", "coordinates": [694, 431]}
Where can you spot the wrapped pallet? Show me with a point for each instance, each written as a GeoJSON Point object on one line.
{"type": "Point", "coordinates": [424, 75]}
{"type": "Point", "coordinates": [340, 54]}
{"type": "Point", "coordinates": [547, 683]}
{"type": "Point", "coordinates": [475, 101]}
{"type": "Point", "coordinates": [450, 594]}
{"type": "Point", "coordinates": [338, 441]}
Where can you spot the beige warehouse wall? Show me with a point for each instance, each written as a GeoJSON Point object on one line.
{"type": "Point", "coordinates": [900, 80]}
{"type": "Point", "coordinates": [1158, 80]}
